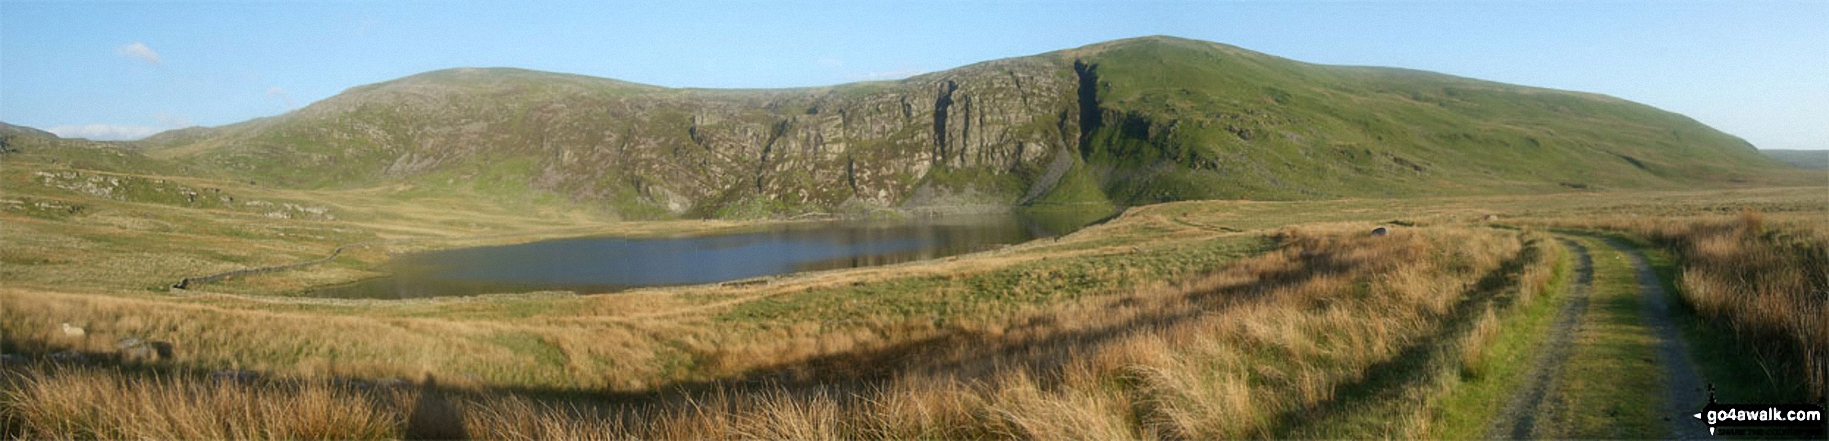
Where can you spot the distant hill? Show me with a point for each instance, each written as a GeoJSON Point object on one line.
{"type": "Point", "coordinates": [9, 131]}
{"type": "Point", "coordinates": [29, 145]}
{"type": "Point", "coordinates": [1124, 122]}
{"type": "Point", "coordinates": [1800, 158]}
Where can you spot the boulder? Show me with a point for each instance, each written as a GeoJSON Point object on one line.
{"type": "Point", "coordinates": [1380, 231]}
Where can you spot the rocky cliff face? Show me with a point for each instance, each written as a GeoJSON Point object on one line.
{"type": "Point", "coordinates": [683, 151]}
{"type": "Point", "coordinates": [1125, 122]}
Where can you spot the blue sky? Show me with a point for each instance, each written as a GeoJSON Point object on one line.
{"type": "Point", "coordinates": [117, 70]}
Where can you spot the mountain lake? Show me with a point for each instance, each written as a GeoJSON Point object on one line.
{"type": "Point", "coordinates": [591, 265]}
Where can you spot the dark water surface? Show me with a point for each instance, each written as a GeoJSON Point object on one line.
{"type": "Point", "coordinates": [606, 264]}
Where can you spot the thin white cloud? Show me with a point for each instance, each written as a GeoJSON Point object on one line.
{"type": "Point", "coordinates": [890, 75]}
{"type": "Point", "coordinates": [280, 92]}
{"type": "Point", "coordinates": [139, 51]}
{"type": "Point", "coordinates": [174, 121]}
{"type": "Point", "coordinates": [105, 132]}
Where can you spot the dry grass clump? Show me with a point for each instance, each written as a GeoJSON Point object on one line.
{"type": "Point", "coordinates": [519, 418]}
{"type": "Point", "coordinates": [1540, 262]}
{"type": "Point", "coordinates": [53, 402]}
{"type": "Point", "coordinates": [1473, 362]}
{"type": "Point", "coordinates": [1767, 280]}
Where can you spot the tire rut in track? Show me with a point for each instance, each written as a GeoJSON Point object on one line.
{"type": "Point", "coordinates": [1683, 383]}
{"type": "Point", "coordinates": [1518, 420]}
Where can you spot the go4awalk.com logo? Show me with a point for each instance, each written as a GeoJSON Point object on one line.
{"type": "Point", "coordinates": [1781, 420]}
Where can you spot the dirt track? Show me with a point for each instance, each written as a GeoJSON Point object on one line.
{"type": "Point", "coordinates": [1530, 413]}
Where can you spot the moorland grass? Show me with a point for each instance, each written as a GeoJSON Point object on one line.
{"type": "Point", "coordinates": [1253, 343]}
{"type": "Point", "coordinates": [640, 355]}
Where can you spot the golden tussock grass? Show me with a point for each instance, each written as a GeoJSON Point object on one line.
{"type": "Point", "coordinates": [53, 402]}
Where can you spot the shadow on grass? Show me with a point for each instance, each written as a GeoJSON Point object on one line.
{"type": "Point", "coordinates": [1388, 381]}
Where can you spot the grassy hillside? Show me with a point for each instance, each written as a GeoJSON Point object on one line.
{"type": "Point", "coordinates": [1183, 119]}
{"type": "Point", "coordinates": [1126, 122]}
{"type": "Point", "coordinates": [37, 149]}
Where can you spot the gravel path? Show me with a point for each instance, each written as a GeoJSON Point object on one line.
{"type": "Point", "coordinates": [1684, 389]}
{"type": "Point", "coordinates": [1519, 418]}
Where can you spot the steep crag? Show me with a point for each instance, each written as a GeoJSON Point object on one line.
{"type": "Point", "coordinates": [1124, 122]}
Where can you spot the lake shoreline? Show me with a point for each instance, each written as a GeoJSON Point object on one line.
{"type": "Point", "coordinates": [1059, 220]}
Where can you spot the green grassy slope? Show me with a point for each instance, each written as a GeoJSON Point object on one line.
{"type": "Point", "coordinates": [54, 178]}
{"type": "Point", "coordinates": [1184, 119]}
{"type": "Point", "coordinates": [1125, 122]}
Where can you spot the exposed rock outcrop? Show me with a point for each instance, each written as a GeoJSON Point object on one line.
{"type": "Point", "coordinates": [1130, 121]}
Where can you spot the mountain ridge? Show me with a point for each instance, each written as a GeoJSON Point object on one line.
{"type": "Point", "coordinates": [1123, 122]}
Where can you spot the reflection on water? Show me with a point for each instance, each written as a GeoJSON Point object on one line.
{"type": "Point", "coordinates": [605, 264]}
